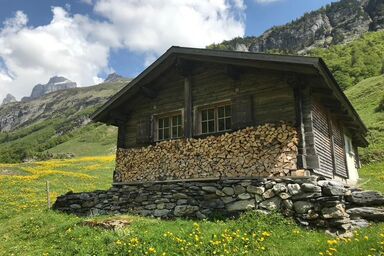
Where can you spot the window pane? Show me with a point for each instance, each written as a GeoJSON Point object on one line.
{"type": "Point", "coordinates": [211, 126]}
{"type": "Point", "coordinates": [166, 133]}
{"type": "Point", "coordinates": [211, 114]}
{"type": "Point", "coordinates": [161, 124]}
{"type": "Point", "coordinates": [204, 115]}
{"type": "Point", "coordinates": [174, 120]}
{"type": "Point", "coordinates": [174, 131]}
{"type": "Point", "coordinates": [166, 122]}
{"type": "Point", "coordinates": [228, 122]}
{"type": "Point", "coordinates": [204, 127]}
{"type": "Point", "coordinates": [221, 112]}
{"type": "Point", "coordinates": [160, 134]}
{"type": "Point", "coordinates": [221, 125]}
{"type": "Point", "coordinates": [179, 119]}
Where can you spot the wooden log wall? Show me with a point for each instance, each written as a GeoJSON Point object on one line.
{"type": "Point", "coordinates": [266, 150]}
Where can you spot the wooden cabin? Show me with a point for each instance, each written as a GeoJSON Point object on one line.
{"type": "Point", "coordinates": [188, 96]}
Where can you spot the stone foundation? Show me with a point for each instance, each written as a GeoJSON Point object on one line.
{"type": "Point", "coordinates": [317, 203]}
{"type": "Point", "coordinates": [266, 150]}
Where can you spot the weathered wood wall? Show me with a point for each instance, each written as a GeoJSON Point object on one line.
{"type": "Point", "coordinates": [271, 98]}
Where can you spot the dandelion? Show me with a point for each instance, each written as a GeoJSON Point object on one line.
{"type": "Point", "coordinates": [151, 250]}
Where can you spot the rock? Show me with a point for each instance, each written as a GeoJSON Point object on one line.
{"type": "Point", "coordinates": [284, 195]}
{"type": "Point", "coordinates": [239, 189]}
{"type": "Point", "coordinates": [268, 194]}
{"type": "Point", "coordinates": [269, 184]}
{"type": "Point", "coordinates": [309, 187]}
{"type": "Point", "coordinates": [293, 189]}
{"type": "Point", "coordinates": [335, 212]}
{"type": "Point", "coordinates": [358, 223]}
{"type": "Point", "coordinates": [302, 196]}
{"type": "Point", "coordinates": [241, 205]}
{"type": "Point", "coordinates": [9, 98]}
{"type": "Point", "coordinates": [288, 204]}
{"type": "Point", "coordinates": [366, 198]}
{"type": "Point", "coordinates": [180, 196]}
{"type": "Point", "coordinates": [369, 213]}
{"type": "Point", "coordinates": [113, 77]}
{"type": "Point", "coordinates": [185, 210]}
{"type": "Point", "coordinates": [258, 198]}
{"type": "Point", "coordinates": [200, 216]}
{"type": "Point", "coordinates": [161, 213]}
{"type": "Point", "coordinates": [220, 193]}
{"type": "Point", "coordinates": [182, 201]}
{"type": "Point", "coordinates": [75, 206]}
{"type": "Point", "coordinates": [228, 191]}
{"type": "Point", "coordinates": [333, 188]}
{"type": "Point", "coordinates": [150, 207]}
{"type": "Point", "coordinates": [302, 207]}
{"type": "Point", "coordinates": [55, 83]}
{"type": "Point", "coordinates": [227, 199]}
{"type": "Point", "coordinates": [255, 190]}
{"type": "Point", "coordinates": [244, 196]}
{"type": "Point", "coordinates": [209, 189]}
{"type": "Point", "coordinates": [160, 206]}
{"type": "Point", "coordinates": [271, 204]}
{"type": "Point", "coordinates": [279, 187]}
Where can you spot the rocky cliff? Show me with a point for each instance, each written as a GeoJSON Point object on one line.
{"type": "Point", "coordinates": [9, 98]}
{"type": "Point", "coordinates": [54, 84]}
{"type": "Point", "coordinates": [113, 77]}
{"type": "Point", "coordinates": [336, 23]}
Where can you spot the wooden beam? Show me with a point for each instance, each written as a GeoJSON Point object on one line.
{"type": "Point", "coordinates": [301, 160]}
{"type": "Point", "coordinates": [188, 107]}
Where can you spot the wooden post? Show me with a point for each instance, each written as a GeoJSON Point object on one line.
{"type": "Point", "coordinates": [48, 196]}
{"type": "Point", "coordinates": [187, 107]}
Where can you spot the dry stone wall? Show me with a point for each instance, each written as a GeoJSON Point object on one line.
{"type": "Point", "coordinates": [265, 150]}
{"type": "Point", "coordinates": [312, 202]}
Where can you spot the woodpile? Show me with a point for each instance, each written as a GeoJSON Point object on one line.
{"type": "Point", "coordinates": [266, 150]}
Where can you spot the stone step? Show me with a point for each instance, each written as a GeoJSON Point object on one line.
{"type": "Point", "coordinates": [368, 213]}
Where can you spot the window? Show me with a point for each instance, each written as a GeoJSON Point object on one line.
{"type": "Point", "coordinates": [216, 119]}
{"type": "Point", "coordinates": [169, 127]}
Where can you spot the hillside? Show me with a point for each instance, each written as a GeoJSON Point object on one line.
{"type": "Point", "coordinates": [30, 129]}
{"type": "Point", "coordinates": [336, 23]}
{"type": "Point", "coordinates": [366, 97]}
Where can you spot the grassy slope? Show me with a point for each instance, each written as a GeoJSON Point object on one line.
{"type": "Point", "coordinates": [60, 125]}
{"type": "Point", "coordinates": [23, 230]}
{"type": "Point", "coordinates": [365, 97]}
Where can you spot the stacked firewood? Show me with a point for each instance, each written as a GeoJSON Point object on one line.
{"type": "Point", "coordinates": [265, 150]}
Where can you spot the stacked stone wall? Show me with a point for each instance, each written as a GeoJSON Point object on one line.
{"type": "Point", "coordinates": [266, 150]}
{"type": "Point", "coordinates": [317, 203]}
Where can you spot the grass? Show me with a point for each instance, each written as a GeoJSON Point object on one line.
{"type": "Point", "coordinates": [28, 228]}
{"type": "Point", "coordinates": [365, 97]}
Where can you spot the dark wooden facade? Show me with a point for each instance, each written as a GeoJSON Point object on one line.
{"type": "Point", "coordinates": [259, 88]}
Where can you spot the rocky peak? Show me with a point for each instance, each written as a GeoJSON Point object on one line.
{"type": "Point", "coordinates": [55, 83]}
{"type": "Point", "coordinates": [335, 23]}
{"type": "Point", "coordinates": [8, 99]}
{"type": "Point", "coordinates": [113, 77]}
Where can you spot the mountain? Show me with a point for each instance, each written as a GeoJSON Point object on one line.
{"type": "Point", "coordinates": [113, 77]}
{"type": "Point", "coordinates": [336, 23]}
{"type": "Point", "coordinates": [9, 98]}
{"type": "Point", "coordinates": [29, 129]}
{"type": "Point", "coordinates": [54, 84]}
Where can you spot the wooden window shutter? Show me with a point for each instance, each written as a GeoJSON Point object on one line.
{"type": "Point", "coordinates": [242, 114]}
{"type": "Point", "coordinates": [144, 134]}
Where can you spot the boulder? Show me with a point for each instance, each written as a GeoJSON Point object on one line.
{"type": "Point", "coordinates": [293, 189]}
{"type": "Point", "coordinates": [228, 191]}
{"type": "Point", "coordinates": [335, 212]}
{"type": "Point", "coordinates": [369, 213]}
{"type": "Point", "coordinates": [244, 196]}
{"type": "Point", "coordinates": [241, 205]}
{"type": "Point", "coordinates": [268, 194]}
{"type": "Point", "coordinates": [185, 210]}
{"type": "Point", "coordinates": [279, 187]}
{"type": "Point", "coordinates": [161, 213]}
{"type": "Point", "coordinates": [271, 204]}
{"type": "Point", "coordinates": [366, 198]}
{"type": "Point", "coordinates": [302, 206]}
{"type": "Point", "coordinates": [255, 190]}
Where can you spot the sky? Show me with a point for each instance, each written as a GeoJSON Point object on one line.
{"type": "Point", "coordinates": [85, 40]}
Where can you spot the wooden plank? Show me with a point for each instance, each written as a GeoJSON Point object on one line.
{"type": "Point", "coordinates": [188, 124]}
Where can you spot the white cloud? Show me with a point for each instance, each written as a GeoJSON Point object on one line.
{"type": "Point", "coordinates": [63, 47]}
{"type": "Point", "coordinates": [78, 47]}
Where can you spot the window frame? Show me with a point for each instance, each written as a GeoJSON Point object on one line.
{"type": "Point", "coordinates": [168, 115]}
{"type": "Point", "coordinates": [198, 111]}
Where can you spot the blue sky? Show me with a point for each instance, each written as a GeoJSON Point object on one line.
{"type": "Point", "coordinates": [86, 39]}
